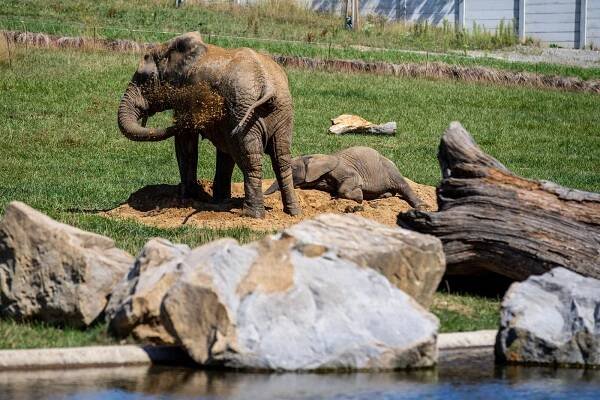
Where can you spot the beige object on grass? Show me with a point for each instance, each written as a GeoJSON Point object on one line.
{"type": "Point", "coordinates": [347, 123]}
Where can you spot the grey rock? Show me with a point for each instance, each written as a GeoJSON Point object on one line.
{"type": "Point", "coordinates": [552, 318]}
{"type": "Point", "coordinates": [54, 272]}
{"type": "Point", "coordinates": [282, 305]}
{"type": "Point", "coordinates": [411, 261]}
{"type": "Point", "coordinates": [134, 307]}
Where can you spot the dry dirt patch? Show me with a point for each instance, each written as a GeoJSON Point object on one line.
{"type": "Point", "coordinates": [158, 205]}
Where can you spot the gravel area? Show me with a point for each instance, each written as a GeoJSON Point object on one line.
{"type": "Point", "coordinates": [574, 57]}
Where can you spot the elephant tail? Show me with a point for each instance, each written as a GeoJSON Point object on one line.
{"type": "Point", "coordinates": [267, 94]}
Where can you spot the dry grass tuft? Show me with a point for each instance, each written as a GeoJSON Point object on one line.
{"type": "Point", "coordinates": [439, 70]}
{"type": "Point", "coordinates": [4, 50]}
{"type": "Point", "coordinates": [124, 45]}
{"type": "Point", "coordinates": [71, 42]}
{"type": "Point", "coordinates": [33, 39]}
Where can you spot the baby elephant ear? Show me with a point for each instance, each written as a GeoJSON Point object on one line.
{"type": "Point", "coordinates": [318, 165]}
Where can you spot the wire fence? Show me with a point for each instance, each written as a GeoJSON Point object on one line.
{"type": "Point", "coordinates": [97, 31]}
{"type": "Point", "coordinates": [433, 70]}
{"type": "Point", "coordinates": [125, 38]}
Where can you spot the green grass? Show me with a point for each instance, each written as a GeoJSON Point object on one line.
{"type": "Point", "coordinates": [463, 313]}
{"type": "Point", "coordinates": [20, 335]}
{"type": "Point", "coordinates": [457, 313]}
{"type": "Point", "coordinates": [281, 19]}
{"type": "Point", "coordinates": [267, 22]}
{"type": "Point", "coordinates": [62, 152]}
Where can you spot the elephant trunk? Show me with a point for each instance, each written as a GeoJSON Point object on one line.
{"type": "Point", "coordinates": [134, 107]}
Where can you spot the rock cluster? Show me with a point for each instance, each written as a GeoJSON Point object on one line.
{"type": "Point", "coordinates": [411, 261]}
{"type": "Point", "coordinates": [326, 294]}
{"type": "Point", "coordinates": [54, 272]}
{"type": "Point", "coordinates": [279, 304]}
{"type": "Point", "coordinates": [337, 292]}
{"type": "Point", "coordinates": [553, 318]}
{"type": "Point", "coordinates": [134, 307]}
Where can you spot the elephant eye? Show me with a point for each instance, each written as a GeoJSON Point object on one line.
{"type": "Point", "coordinates": [181, 46]}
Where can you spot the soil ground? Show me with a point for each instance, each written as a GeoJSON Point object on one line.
{"type": "Point", "coordinates": [159, 205]}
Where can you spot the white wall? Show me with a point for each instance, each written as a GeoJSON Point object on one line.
{"type": "Point", "coordinates": [489, 13]}
{"type": "Point", "coordinates": [593, 23]}
{"type": "Point", "coordinates": [553, 21]}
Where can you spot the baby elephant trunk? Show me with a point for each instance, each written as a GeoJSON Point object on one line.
{"type": "Point", "coordinates": [298, 176]}
{"type": "Point", "coordinates": [272, 189]}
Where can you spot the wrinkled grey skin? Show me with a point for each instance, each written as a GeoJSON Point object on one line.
{"type": "Point", "coordinates": [355, 173]}
{"type": "Point", "coordinates": [255, 115]}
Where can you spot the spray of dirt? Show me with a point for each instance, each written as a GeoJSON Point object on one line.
{"type": "Point", "coordinates": [158, 205]}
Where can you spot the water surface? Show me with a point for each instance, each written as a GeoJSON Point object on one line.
{"type": "Point", "coordinates": [473, 377]}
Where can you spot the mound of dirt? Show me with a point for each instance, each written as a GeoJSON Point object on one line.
{"type": "Point", "coordinates": [158, 205]}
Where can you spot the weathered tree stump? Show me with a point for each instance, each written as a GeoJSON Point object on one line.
{"type": "Point", "coordinates": [492, 220]}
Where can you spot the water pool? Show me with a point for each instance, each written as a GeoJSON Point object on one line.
{"type": "Point", "coordinates": [455, 378]}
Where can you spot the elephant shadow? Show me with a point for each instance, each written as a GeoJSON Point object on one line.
{"type": "Point", "coordinates": [152, 198]}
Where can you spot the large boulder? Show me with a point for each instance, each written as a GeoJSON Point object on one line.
{"type": "Point", "coordinates": [54, 272]}
{"type": "Point", "coordinates": [134, 307]}
{"type": "Point", "coordinates": [411, 261]}
{"type": "Point", "coordinates": [551, 319]}
{"type": "Point", "coordinates": [280, 304]}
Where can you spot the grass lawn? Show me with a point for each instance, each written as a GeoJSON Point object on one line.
{"type": "Point", "coordinates": [61, 151]}
{"type": "Point", "coordinates": [267, 22]}
{"type": "Point", "coordinates": [281, 19]}
{"type": "Point", "coordinates": [457, 313]}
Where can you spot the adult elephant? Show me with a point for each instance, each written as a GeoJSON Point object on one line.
{"type": "Point", "coordinates": [238, 99]}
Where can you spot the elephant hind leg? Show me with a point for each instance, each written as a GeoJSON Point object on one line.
{"type": "Point", "coordinates": [402, 188]}
{"type": "Point", "coordinates": [281, 159]}
{"type": "Point", "coordinates": [248, 156]}
{"type": "Point", "coordinates": [222, 181]}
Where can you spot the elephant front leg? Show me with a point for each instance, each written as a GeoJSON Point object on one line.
{"type": "Point", "coordinates": [222, 181]}
{"type": "Point", "coordinates": [351, 189]}
{"type": "Point", "coordinates": [186, 151]}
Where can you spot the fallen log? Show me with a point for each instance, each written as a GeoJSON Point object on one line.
{"type": "Point", "coordinates": [490, 219]}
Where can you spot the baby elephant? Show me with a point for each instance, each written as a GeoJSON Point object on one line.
{"type": "Point", "coordinates": [355, 173]}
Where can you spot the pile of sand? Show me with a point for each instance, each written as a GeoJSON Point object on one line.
{"type": "Point", "coordinates": [158, 205]}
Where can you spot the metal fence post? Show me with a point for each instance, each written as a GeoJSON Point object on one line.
{"type": "Point", "coordinates": [462, 8]}
{"type": "Point", "coordinates": [583, 5]}
{"type": "Point", "coordinates": [522, 20]}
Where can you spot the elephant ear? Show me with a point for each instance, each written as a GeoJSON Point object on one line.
{"type": "Point", "coordinates": [318, 165]}
{"type": "Point", "coordinates": [182, 54]}
{"type": "Point", "coordinates": [189, 44]}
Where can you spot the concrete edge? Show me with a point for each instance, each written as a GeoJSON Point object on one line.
{"type": "Point", "coordinates": [92, 356]}
{"type": "Point", "coordinates": [121, 355]}
{"type": "Point", "coordinates": [467, 340]}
